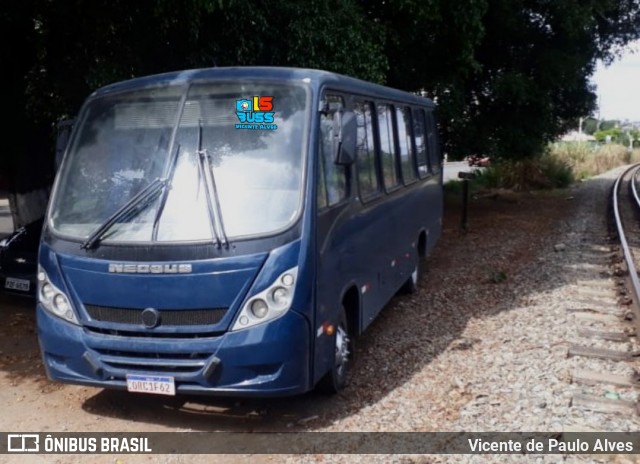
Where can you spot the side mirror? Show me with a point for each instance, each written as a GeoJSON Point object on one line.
{"type": "Point", "coordinates": [345, 129]}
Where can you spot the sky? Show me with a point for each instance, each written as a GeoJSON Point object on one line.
{"type": "Point", "coordinates": [618, 86]}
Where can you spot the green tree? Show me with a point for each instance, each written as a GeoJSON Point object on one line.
{"type": "Point", "coordinates": [590, 126]}
{"type": "Point", "coordinates": [431, 47]}
{"type": "Point", "coordinates": [614, 135]}
{"type": "Point", "coordinates": [71, 47]}
{"type": "Point", "coordinates": [508, 75]}
{"type": "Point", "coordinates": [535, 61]}
{"type": "Point", "coordinates": [606, 125]}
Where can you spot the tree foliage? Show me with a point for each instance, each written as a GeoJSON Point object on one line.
{"type": "Point", "coordinates": [619, 135]}
{"type": "Point", "coordinates": [535, 59]}
{"type": "Point", "coordinates": [508, 75]}
{"type": "Point", "coordinates": [590, 125]}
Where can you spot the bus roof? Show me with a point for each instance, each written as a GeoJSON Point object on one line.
{"type": "Point", "coordinates": [317, 78]}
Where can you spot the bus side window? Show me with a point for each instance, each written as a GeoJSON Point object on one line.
{"type": "Point", "coordinates": [390, 175]}
{"type": "Point", "coordinates": [432, 140]}
{"type": "Point", "coordinates": [365, 154]}
{"type": "Point", "coordinates": [419, 132]}
{"type": "Point", "coordinates": [332, 178]}
{"type": "Point", "coordinates": [403, 119]}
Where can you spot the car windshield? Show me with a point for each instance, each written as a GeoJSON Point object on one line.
{"type": "Point", "coordinates": [250, 136]}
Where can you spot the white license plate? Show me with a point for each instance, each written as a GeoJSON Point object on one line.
{"type": "Point", "coordinates": [156, 385]}
{"type": "Point", "coordinates": [17, 284]}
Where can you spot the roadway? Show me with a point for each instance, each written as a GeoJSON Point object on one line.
{"type": "Point", "coordinates": [451, 170]}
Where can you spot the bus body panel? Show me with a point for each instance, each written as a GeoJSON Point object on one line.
{"type": "Point", "coordinates": [374, 249]}
{"type": "Point", "coordinates": [217, 283]}
{"type": "Point", "coordinates": [370, 246]}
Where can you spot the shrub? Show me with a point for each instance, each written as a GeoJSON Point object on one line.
{"type": "Point", "coordinates": [543, 172]}
{"type": "Point", "coordinates": [590, 160]}
{"type": "Point", "coordinates": [558, 167]}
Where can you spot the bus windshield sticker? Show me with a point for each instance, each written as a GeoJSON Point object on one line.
{"type": "Point", "coordinates": [255, 113]}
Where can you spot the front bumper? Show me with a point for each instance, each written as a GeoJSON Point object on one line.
{"type": "Point", "coordinates": [270, 359]}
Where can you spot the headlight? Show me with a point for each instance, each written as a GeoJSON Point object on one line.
{"type": "Point", "coordinates": [279, 296]}
{"type": "Point", "coordinates": [53, 299]}
{"type": "Point", "coordinates": [47, 292]}
{"type": "Point", "coordinates": [287, 279]}
{"type": "Point", "coordinates": [270, 303]}
{"type": "Point", "coordinates": [259, 308]}
{"type": "Point", "coordinates": [60, 304]}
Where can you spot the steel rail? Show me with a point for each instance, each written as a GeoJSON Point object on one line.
{"type": "Point", "coordinates": [628, 256]}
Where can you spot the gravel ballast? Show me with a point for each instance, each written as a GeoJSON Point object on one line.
{"type": "Point", "coordinates": [484, 345]}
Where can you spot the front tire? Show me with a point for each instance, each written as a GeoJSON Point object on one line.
{"type": "Point", "coordinates": [337, 378]}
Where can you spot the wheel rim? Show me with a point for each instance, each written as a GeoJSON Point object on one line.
{"type": "Point", "coordinates": [342, 351]}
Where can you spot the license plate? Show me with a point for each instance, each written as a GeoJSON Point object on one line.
{"type": "Point", "coordinates": [17, 284]}
{"type": "Point", "coordinates": [156, 385]}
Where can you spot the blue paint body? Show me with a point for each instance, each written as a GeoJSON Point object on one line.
{"type": "Point", "coordinates": [368, 249]}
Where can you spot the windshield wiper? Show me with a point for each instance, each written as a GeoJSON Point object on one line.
{"type": "Point", "coordinates": [129, 210]}
{"type": "Point", "coordinates": [206, 173]}
{"type": "Point", "coordinates": [173, 163]}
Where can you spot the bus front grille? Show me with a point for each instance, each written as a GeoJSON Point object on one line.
{"type": "Point", "coordinates": [168, 317]}
{"type": "Point", "coordinates": [170, 363]}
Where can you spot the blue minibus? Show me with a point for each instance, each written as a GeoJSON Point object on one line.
{"type": "Point", "coordinates": [230, 231]}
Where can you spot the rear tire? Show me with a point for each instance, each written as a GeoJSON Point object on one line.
{"type": "Point", "coordinates": [338, 376]}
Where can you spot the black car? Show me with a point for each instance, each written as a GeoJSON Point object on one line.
{"type": "Point", "coordinates": [19, 259]}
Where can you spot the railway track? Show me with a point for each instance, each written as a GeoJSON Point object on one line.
{"type": "Point", "coordinates": [627, 227]}
{"type": "Point", "coordinates": [607, 312]}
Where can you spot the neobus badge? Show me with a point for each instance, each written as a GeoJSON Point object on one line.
{"type": "Point", "coordinates": [150, 268]}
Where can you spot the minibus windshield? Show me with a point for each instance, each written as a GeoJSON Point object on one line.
{"type": "Point", "coordinates": [251, 136]}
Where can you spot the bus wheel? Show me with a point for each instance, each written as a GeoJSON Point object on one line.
{"type": "Point", "coordinates": [336, 379]}
{"type": "Point", "coordinates": [411, 285]}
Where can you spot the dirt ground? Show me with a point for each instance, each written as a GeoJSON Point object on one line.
{"type": "Point", "coordinates": [31, 403]}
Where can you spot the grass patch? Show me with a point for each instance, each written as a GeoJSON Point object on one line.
{"type": "Point", "coordinates": [587, 160]}
{"type": "Point", "coordinates": [453, 187]}
{"type": "Point", "coordinates": [560, 166]}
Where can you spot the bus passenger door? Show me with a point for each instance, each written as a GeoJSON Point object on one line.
{"type": "Point", "coordinates": [333, 252]}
